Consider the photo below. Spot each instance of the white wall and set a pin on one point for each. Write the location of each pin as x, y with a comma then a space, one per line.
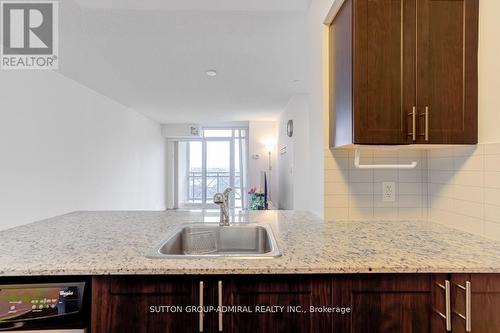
294, 165
316, 16
260, 134
64, 147
285, 163
170, 174
489, 71
182, 186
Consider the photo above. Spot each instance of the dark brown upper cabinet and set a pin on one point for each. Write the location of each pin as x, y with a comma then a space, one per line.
404, 72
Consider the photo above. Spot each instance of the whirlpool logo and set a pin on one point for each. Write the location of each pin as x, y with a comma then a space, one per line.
29, 31
65, 293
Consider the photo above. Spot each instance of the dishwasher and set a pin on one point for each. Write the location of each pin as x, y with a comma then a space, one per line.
43, 308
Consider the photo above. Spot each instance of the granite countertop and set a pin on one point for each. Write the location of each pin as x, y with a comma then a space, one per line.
96, 243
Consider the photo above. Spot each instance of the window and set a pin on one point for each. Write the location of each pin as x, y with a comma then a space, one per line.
212, 164
195, 172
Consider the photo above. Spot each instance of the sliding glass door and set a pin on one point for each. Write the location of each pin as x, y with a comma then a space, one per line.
214, 163
218, 174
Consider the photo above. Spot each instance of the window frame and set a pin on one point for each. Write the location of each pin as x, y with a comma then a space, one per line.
236, 134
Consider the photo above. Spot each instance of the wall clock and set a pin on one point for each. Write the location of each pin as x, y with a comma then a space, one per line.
289, 128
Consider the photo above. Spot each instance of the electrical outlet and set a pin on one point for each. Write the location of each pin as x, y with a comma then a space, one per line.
389, 191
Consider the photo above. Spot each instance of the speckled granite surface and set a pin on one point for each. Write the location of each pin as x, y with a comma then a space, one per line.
116, 243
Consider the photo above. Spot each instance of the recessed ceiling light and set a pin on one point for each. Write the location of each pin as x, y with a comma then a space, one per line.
211, 72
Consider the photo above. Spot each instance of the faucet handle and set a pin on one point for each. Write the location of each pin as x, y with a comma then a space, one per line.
219, 198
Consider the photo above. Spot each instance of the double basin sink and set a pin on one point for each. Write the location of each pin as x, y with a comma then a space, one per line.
213, 241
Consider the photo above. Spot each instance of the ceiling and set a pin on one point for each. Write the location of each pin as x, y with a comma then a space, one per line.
155, 61
210, 5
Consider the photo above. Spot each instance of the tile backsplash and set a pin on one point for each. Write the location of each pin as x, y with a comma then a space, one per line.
354, 194
464, 188
458, 186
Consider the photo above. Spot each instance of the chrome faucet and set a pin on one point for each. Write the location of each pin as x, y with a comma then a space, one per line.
222, 199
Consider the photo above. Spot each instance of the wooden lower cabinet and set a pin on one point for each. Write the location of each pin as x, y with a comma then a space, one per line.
393, 303
253, 303
485, 303
278, 304
364, 303
123, 304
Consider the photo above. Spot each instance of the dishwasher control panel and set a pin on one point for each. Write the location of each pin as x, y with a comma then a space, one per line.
29, 302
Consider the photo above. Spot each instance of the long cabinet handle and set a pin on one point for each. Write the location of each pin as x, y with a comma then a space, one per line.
467, 317
219, 289
413, 115
447, 315
468, 295
201, 315
448, 305
426, 123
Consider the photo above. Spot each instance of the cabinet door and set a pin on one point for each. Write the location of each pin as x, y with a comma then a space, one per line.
131, 304
384, 71
390, 303
447, 71
484, 303
290, 292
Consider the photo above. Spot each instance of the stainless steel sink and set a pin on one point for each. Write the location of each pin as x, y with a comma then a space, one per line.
214, 241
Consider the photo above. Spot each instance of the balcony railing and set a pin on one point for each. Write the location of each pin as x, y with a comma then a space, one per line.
217, 181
